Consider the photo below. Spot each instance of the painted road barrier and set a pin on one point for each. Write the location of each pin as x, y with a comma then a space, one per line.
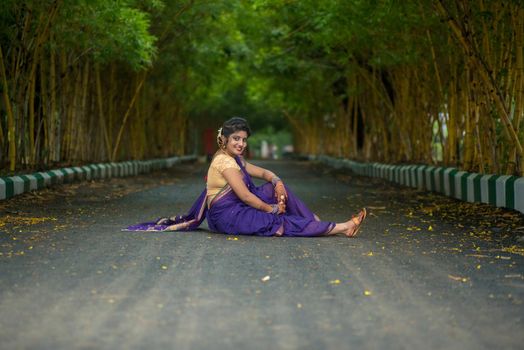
11, 186
497, 190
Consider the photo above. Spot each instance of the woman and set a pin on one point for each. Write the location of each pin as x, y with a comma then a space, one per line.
232, 203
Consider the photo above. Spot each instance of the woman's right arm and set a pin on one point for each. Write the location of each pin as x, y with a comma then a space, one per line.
234, 179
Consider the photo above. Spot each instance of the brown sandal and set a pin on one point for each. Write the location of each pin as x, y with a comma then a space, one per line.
358, 220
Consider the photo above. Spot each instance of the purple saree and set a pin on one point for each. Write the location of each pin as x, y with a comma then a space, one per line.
228, 214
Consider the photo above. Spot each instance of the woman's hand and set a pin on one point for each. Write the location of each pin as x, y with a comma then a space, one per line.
280, 192
281, 207
162, 221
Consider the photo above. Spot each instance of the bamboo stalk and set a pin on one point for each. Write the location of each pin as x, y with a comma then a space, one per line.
452, 115
518, 20
44, 102
83, 112
10, 118
103, 127
478, 138
298, 129
126, 116
32, 88
1, 140
112, 102
468, 150
63, 134
75, 114
52, 125
354, 128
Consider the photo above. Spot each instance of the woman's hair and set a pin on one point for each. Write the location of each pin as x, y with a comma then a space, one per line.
235, 124
231, 126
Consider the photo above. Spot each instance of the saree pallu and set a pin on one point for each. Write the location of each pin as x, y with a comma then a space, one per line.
187, 222
228, 214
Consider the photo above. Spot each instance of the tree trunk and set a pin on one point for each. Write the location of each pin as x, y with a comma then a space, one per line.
101, 115
126, 116
10, 118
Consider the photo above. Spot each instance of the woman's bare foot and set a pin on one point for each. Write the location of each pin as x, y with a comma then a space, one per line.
355, 223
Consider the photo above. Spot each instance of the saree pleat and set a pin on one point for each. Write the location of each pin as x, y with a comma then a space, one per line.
228, 214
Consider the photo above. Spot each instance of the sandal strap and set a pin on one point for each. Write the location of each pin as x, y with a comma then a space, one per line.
357, 220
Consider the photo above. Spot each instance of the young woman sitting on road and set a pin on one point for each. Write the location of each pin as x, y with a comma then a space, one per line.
233, 204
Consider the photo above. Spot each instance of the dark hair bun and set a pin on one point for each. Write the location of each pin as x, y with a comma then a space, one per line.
235, 124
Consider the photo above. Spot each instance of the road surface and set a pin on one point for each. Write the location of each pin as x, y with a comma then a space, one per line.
426, 272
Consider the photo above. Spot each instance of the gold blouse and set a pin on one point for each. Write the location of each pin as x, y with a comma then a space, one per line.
215, 180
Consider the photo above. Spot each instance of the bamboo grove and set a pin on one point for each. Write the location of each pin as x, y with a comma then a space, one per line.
79, 85
429, 82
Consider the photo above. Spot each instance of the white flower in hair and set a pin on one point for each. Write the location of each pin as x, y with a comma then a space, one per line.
220, 141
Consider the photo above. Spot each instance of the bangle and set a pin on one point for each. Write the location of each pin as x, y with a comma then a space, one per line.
274, 208
274, 180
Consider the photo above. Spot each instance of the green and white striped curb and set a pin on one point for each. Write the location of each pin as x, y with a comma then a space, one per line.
498, 190
14, 185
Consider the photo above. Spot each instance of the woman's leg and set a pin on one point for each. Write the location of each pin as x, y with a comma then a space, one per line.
294, 206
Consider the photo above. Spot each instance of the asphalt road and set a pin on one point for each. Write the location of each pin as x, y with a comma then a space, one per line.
426, 272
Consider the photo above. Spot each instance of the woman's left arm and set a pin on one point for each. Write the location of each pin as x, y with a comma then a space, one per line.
258, 172
269, 176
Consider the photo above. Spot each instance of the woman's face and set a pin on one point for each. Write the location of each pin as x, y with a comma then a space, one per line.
236, 143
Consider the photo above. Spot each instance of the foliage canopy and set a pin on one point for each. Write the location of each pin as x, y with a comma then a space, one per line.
433, 81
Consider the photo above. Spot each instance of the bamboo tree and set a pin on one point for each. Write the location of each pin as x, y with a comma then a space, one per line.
518, 25
126, 115
10, 117
53, 118
83, 122
106, 146
480, 65
364, 80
